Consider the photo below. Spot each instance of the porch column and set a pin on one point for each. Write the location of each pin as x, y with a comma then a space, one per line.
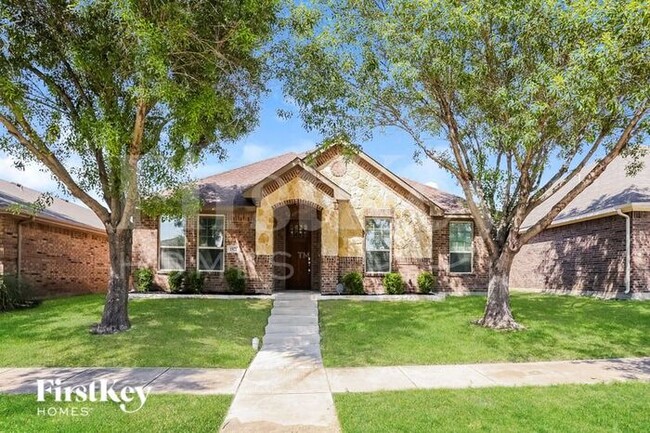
329, 249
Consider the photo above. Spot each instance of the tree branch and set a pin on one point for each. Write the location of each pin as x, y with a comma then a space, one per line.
51, 161
622, 141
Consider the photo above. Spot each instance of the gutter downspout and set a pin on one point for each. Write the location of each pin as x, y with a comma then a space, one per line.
627, 249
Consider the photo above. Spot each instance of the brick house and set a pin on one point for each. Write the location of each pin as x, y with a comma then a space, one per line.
61, 250
586, 247
303, 221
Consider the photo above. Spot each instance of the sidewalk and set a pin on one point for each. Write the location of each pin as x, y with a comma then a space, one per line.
300, 371
285, 388
371, 379
160, 380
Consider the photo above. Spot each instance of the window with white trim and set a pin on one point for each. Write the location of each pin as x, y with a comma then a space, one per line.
210, 243
171, 232
461, 252
378, 245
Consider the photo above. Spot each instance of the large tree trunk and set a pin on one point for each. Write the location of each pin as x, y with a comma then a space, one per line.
116, 315
497, 310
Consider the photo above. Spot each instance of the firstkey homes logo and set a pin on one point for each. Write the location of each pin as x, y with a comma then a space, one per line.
130, 399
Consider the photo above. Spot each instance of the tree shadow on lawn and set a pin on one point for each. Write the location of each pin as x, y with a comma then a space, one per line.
164, 333
441, 332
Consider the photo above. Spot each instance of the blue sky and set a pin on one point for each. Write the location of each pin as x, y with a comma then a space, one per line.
275, 136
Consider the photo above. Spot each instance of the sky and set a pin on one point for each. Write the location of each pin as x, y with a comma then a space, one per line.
274, 136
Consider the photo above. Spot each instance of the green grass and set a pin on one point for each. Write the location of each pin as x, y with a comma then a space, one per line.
161, 413
557, 327
164, 333
610, 408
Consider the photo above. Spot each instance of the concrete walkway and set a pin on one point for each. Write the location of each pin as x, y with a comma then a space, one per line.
285, 389
160, 380
300, 371
371, 379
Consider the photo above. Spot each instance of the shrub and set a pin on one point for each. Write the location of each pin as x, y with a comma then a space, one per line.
176, 280
236, 280
426, 282
194, 282
353, 282
14, 293
393, 283
186, 281
143, 279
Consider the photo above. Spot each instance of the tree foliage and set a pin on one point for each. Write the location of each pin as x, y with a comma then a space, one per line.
118, 98
526, 94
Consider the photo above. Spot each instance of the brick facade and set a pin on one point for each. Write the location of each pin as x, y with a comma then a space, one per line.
640, 275
585, 256
55, 259
447, 281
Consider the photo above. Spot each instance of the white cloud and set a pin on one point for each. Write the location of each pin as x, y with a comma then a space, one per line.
34, 176
429, 173
253, 153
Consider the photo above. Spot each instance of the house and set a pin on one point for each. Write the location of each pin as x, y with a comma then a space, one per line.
302, 221
57, 251
586, 247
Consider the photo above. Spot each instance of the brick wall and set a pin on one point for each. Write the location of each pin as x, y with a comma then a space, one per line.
447, 281
56, 260
585, 256
640, 252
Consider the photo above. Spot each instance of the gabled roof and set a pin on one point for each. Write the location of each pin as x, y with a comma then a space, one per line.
612, 190
235, 187
451, 204
227, 188
60, 211
254, 191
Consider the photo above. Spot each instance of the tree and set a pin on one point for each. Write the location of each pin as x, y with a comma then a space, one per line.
527, 95
118, 98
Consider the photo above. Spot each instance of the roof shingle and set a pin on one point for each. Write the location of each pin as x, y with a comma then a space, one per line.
60, 210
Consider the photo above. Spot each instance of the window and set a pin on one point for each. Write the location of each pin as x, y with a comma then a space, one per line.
210, 244
461, 235
378, 245
172, 244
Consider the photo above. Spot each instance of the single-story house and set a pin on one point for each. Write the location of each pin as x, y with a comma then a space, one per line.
590, 247
60, 250
302, 221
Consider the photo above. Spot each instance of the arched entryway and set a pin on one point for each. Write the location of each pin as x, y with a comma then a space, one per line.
297, 246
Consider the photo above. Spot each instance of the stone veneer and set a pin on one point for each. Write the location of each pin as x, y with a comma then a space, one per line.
419, 233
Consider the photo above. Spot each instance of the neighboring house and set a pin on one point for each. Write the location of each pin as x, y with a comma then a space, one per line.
303, 221
584, 249
60, 250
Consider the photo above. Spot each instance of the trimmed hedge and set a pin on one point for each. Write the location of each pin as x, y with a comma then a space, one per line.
236, 280
393, 283
426, 282
353, 282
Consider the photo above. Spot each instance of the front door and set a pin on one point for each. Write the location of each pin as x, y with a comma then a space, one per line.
299, 249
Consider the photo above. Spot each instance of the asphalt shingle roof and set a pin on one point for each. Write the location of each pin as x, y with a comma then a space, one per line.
60, 210
226, 188
612, 190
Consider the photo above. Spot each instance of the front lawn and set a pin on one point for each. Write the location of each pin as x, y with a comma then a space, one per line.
161, 413
557, 327
164, 333
620, 407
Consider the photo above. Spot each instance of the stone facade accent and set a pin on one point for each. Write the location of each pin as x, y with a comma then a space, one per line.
55, 259
584, 256
420, 241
